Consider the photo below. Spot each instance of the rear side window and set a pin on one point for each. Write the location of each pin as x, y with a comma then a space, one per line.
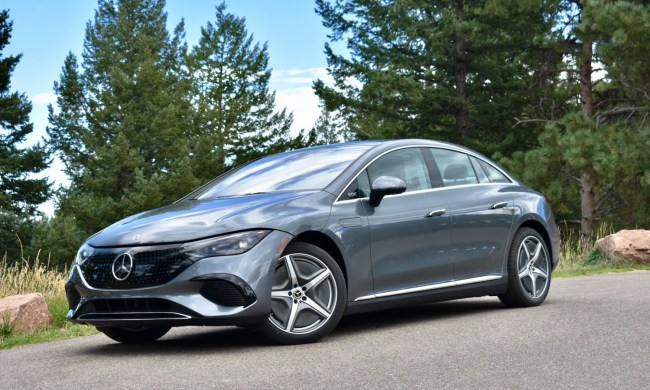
455, 167
493, 174
480, 173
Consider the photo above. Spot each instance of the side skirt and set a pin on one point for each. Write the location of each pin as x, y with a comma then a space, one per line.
490, 287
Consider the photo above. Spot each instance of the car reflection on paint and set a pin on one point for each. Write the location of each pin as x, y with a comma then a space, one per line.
291, 242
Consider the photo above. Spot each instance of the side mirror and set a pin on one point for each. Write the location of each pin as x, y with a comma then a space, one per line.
385, 185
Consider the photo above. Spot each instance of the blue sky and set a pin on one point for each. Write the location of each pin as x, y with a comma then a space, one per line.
44, 31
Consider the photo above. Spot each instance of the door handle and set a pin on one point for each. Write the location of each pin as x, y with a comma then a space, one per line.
436, 213
499, 205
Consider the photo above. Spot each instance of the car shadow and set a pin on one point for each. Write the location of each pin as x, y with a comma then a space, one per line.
393, 318
196, 340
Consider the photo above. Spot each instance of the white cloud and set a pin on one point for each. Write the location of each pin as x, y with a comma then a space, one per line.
293, 91
43, 98
304, 105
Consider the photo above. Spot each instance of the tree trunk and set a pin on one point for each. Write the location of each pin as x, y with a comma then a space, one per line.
587, 204
460, 71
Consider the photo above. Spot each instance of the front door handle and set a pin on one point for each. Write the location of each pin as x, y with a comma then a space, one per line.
499, 205
436, 213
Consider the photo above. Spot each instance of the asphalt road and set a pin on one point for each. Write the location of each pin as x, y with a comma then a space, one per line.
592, 332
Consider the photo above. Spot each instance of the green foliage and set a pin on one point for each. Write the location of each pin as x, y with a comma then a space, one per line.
595, 256
432, 69
235, 118
330, 129
20, 193
139, 122
610, 146
120, 123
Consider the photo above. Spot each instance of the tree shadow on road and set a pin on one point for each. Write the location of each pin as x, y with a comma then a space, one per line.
196, 340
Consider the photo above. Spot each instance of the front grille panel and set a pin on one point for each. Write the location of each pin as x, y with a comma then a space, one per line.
150, 268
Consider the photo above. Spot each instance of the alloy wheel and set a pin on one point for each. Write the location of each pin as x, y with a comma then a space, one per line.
304, 294
533, 266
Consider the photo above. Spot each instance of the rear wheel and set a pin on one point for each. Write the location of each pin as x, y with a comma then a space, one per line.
308, 296
134, 335
529, 270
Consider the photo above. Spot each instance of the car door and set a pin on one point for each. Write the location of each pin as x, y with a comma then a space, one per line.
481, 213
410, 236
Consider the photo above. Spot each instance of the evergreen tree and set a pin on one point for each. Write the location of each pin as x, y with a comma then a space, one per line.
451, 70
20, 194
122, 116
592, 157
329, 129
235, 116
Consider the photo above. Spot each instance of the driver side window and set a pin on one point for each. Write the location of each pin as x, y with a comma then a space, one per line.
405, 164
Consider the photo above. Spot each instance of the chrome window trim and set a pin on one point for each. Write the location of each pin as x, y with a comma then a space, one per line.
338, 198
423, 191
430, 287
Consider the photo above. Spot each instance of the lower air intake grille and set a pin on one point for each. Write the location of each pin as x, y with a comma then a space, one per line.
73, 296
134, 308
225, 293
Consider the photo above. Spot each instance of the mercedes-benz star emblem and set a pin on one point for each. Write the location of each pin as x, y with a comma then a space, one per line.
122, 266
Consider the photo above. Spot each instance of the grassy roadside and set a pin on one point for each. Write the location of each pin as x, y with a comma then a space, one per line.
26, 278
573, 262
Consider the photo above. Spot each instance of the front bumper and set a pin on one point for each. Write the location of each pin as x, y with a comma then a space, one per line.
225, 290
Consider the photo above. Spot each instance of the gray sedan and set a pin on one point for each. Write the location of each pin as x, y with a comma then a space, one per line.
291, 242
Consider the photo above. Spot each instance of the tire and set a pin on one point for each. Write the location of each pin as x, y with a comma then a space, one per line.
529, 270
135, 335
308, 296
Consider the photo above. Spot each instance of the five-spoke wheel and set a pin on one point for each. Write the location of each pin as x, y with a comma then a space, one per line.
529, 270
308, 295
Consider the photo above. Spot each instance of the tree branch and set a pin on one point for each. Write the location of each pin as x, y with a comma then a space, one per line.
628, 111
519, 121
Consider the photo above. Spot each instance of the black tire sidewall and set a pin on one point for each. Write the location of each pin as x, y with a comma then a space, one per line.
127, 336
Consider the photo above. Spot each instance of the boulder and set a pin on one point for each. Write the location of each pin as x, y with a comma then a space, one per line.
25, 312
629, 244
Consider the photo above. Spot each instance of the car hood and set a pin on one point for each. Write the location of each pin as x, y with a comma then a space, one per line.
190, 220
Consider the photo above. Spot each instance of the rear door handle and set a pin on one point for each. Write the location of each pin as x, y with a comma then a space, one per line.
436, 213
499, 205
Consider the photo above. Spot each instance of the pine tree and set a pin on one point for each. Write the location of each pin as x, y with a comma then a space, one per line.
235, 115
20, 194
592, 157
122, 116
329, 129
451, 70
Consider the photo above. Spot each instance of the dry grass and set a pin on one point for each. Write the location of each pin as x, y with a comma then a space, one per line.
574, 262
27, 277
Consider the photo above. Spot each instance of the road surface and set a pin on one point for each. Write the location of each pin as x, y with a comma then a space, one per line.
592, 332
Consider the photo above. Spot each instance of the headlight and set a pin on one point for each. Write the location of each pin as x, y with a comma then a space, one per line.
83, 254
232, 244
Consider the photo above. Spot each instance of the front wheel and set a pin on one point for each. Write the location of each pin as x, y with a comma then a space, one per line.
529, 270
308, 296
133, 335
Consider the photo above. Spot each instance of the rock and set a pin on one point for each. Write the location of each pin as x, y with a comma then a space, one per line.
25, 312
630, 244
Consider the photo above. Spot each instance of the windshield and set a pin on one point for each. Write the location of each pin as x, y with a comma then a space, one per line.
303, 169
